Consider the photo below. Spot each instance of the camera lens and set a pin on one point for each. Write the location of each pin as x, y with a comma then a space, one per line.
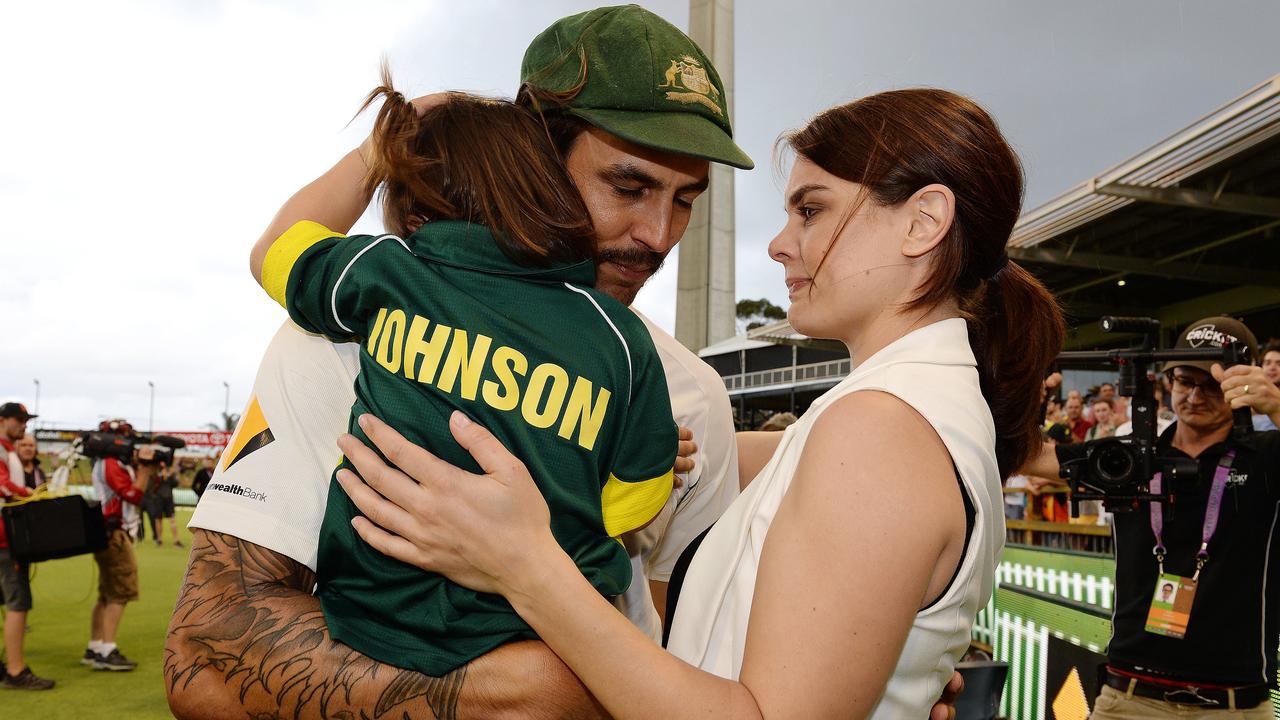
1112, 462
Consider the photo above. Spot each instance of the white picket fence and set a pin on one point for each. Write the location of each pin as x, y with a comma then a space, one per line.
1089, 589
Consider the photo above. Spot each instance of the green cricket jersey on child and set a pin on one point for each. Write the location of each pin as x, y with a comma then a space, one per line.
565, 376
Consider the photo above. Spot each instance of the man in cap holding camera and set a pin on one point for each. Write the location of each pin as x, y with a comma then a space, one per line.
15, 580
119, 489
1210, 645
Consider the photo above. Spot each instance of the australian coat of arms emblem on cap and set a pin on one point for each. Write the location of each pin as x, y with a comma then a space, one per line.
690, 84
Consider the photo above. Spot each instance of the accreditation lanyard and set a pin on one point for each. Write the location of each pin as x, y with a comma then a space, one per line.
1211, 513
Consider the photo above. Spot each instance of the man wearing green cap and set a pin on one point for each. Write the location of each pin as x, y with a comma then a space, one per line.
639, 113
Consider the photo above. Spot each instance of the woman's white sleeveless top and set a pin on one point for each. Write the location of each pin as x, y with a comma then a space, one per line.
933, 370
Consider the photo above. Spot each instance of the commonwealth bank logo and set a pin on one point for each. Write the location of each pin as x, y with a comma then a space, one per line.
691, 85
252, 435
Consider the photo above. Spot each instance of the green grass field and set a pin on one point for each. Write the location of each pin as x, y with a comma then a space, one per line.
64, 592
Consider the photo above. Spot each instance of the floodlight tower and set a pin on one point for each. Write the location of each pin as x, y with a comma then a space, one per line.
705, 296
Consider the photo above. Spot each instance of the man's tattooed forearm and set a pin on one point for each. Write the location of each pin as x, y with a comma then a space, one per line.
248, 635
440, 693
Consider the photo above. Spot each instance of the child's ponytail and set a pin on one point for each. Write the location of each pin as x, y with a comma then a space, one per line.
480, 160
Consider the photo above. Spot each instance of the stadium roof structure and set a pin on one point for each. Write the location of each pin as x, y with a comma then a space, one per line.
734, 344
1190, 226
1185, 229
781, 333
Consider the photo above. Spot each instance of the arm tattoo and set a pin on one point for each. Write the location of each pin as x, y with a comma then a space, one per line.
248, 638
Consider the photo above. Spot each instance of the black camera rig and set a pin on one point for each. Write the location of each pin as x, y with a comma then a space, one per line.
1118, 470
121, 447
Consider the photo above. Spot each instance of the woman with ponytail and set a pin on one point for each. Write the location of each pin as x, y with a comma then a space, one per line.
844, 581
480, 299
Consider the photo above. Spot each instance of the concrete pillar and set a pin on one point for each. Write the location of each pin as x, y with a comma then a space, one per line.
705, 296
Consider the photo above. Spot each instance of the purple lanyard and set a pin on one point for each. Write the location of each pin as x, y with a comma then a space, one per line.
1211, 513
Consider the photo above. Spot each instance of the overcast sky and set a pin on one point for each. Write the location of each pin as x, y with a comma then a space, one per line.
147, 144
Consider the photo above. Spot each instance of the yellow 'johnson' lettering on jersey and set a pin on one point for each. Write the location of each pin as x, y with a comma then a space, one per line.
455, 361
564, 376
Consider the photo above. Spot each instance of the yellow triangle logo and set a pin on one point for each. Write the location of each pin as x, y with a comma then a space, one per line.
1070, 704
253, 434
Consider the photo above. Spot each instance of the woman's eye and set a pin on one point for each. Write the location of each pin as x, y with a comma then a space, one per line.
686, 204
807, 212
627, 192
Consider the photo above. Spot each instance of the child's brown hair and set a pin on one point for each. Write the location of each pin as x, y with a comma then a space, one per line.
485, 161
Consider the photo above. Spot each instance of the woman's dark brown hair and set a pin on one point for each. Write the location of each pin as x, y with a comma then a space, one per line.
893, 144
485, 161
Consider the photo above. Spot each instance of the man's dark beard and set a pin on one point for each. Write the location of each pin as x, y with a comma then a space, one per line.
634, 259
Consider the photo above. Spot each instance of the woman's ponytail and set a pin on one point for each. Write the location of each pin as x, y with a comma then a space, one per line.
1016, 330
395, 163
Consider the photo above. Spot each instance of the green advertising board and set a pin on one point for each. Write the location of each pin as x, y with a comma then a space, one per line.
1050, 619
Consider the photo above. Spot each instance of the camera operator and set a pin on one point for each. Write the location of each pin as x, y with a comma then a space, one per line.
120, 488
1212, 645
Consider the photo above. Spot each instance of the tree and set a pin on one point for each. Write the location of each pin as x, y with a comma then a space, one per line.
757, 313
229, 422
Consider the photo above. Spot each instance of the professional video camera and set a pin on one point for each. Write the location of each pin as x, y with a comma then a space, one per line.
117, 439
1118, 470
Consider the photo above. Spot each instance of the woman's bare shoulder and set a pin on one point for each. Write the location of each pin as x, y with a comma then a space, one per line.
875, 436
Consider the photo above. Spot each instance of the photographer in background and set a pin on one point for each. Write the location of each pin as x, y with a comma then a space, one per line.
1214, 647
120, 488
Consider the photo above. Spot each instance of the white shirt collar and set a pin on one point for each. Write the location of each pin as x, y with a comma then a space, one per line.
945, 342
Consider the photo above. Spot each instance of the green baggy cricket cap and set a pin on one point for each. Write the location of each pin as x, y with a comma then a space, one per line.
645, 81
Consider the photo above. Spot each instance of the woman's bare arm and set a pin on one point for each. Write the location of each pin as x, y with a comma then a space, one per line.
870, 531
1044, 463
882, 520
754, 450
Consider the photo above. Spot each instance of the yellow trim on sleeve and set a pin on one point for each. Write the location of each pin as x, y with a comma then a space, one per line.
629, 505
286, 250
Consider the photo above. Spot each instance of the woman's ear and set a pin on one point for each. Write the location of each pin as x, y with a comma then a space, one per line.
932, 209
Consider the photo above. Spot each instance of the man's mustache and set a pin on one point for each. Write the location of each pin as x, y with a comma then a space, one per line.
633, 258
